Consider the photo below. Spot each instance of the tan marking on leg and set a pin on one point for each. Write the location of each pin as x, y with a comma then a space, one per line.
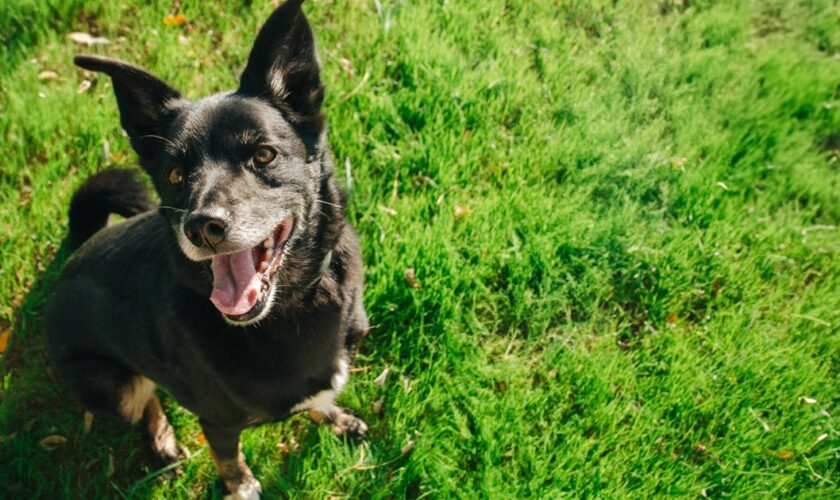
161, 434
238, 478
317, 416
135, 397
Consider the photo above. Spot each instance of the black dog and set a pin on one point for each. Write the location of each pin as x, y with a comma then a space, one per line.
241, 295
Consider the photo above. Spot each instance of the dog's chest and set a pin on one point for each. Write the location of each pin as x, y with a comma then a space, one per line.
237, 377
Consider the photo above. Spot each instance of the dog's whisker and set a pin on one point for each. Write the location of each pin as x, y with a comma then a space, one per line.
172, 208
328, 203
164, 139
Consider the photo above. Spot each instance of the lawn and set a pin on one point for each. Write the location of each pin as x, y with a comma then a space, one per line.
622, 220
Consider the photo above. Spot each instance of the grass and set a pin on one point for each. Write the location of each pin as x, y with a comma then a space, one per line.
622, 217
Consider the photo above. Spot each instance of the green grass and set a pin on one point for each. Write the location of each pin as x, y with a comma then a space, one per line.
639, 295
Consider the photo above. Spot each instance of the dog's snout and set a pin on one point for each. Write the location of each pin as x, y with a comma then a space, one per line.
204, 229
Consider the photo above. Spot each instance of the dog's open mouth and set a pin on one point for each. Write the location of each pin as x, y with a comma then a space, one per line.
242, 280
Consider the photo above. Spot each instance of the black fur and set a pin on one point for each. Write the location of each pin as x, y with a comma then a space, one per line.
133, 300
113, 191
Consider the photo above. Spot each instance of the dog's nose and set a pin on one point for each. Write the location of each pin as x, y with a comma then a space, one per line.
205, 230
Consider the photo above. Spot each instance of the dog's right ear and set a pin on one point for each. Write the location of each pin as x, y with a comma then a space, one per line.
143, 100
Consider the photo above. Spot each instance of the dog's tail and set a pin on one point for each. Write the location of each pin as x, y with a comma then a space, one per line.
112, 191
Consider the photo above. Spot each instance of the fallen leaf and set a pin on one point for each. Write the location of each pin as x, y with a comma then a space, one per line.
176, 20
700, 448
87, 39
52, 442
347, 66
807, 400
382, 377
378, 406
462, 210
88, 422
83, 86
821, 437
411, 279
201, 438
723, 186
784, 454
406, 384
390, 212
25, 195
552, 373
47, 75
408, 446
4, 339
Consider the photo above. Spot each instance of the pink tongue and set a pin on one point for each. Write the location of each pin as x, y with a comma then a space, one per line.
236, 284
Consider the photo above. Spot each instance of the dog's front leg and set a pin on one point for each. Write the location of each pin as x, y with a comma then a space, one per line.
230, 462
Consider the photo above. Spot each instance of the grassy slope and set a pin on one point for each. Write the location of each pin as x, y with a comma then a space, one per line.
645, 285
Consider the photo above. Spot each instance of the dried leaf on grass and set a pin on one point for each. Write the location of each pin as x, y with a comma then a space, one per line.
88, 422
382, 377
47, 75
390, 212
411, 278
409, 445
462, 211
4, 339
52, 442
176, 20
782, 454
347, 66
87, 39
378, 406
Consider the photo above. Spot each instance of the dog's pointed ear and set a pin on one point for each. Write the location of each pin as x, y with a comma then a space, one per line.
283, 67
143, 100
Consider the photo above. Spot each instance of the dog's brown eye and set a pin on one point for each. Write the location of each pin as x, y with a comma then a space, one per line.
176, 175
264, 155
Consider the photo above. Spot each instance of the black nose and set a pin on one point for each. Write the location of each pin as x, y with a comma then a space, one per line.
205, 230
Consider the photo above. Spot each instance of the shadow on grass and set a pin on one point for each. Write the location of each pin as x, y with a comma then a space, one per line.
46, 449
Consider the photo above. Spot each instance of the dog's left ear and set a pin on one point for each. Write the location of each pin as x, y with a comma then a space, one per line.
283, 67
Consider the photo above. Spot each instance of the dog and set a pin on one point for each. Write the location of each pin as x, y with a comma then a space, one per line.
240, 294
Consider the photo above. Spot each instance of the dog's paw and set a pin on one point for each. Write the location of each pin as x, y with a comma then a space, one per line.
346, 424
166, 451
249, 490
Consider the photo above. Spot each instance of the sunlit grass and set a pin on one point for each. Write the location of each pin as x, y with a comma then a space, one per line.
622, 221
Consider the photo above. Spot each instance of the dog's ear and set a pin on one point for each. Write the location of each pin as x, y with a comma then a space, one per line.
143, 100
283, 67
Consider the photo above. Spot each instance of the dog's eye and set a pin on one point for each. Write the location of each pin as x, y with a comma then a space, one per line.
176, 175
264, 155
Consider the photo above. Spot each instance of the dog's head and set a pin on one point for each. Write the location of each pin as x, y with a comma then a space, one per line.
241, 175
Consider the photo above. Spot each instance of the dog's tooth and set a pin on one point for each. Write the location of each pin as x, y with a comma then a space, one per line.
267, 244
269, 252
263, 266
